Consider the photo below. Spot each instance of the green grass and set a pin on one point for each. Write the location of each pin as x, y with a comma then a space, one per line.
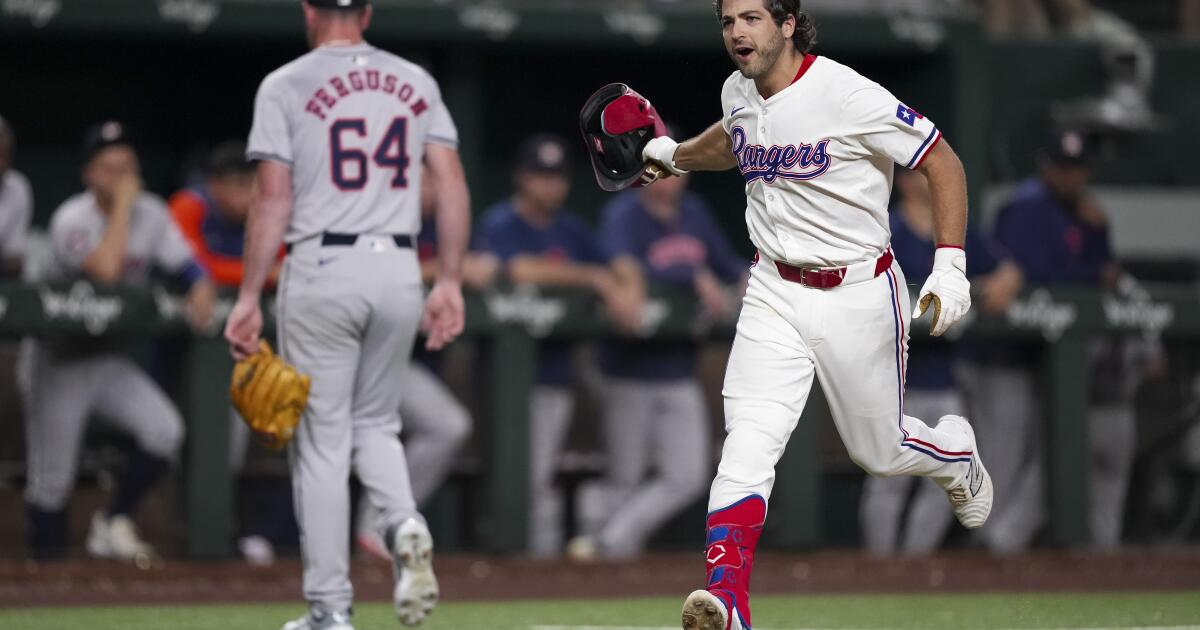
1094, 610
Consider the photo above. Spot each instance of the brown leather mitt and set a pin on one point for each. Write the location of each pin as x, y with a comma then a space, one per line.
270, 395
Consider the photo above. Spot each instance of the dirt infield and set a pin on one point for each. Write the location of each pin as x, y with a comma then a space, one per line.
467, 577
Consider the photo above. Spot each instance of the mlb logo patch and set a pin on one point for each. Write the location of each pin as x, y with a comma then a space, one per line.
908, 115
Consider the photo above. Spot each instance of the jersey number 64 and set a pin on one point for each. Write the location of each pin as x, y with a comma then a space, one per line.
349, 166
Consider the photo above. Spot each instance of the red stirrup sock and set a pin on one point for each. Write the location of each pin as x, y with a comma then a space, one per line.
732, 537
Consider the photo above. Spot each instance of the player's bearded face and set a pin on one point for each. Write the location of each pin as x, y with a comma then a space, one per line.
755, 46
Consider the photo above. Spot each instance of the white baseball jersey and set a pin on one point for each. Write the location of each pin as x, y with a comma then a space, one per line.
154, 240
818, 161
352, 123
16, 208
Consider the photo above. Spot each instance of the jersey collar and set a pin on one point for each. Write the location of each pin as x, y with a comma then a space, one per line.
804, 66
809, 60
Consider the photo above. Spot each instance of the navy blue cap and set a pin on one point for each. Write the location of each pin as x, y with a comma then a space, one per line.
543, 153
104, 135
1068, 147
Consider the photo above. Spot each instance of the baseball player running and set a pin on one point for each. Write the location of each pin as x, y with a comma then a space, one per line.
340, 135
816, 143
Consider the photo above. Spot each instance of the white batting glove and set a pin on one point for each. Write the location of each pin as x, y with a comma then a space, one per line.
661, 152
947, 289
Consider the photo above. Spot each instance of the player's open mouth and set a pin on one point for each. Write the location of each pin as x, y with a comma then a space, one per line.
743, 53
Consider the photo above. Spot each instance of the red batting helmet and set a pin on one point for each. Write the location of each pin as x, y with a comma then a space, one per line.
617, 122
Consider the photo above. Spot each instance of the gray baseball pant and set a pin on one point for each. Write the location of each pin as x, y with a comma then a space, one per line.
436, 425
550, 409
1007, 419
347, 318
659, 426
884, 498
60, 394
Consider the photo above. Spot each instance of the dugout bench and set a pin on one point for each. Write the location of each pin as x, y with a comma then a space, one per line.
510, 321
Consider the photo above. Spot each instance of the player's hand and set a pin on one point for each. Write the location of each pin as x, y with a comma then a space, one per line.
443, 318
244, 327
716, 301
199, 305
480, 270
947, 290
126, 191
624, 305
1001, 287
660, 152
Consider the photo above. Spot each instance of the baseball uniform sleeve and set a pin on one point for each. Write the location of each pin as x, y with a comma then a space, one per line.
618, 236
269, 136
73, 237
171, 251
587, 246
727, 97
497, 236
16, 233
982, 257
881, 125
441, 127
1020, 232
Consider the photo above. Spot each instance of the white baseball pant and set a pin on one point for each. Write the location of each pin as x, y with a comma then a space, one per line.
854, 338
886, 526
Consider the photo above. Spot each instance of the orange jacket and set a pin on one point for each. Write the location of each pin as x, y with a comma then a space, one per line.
189, 209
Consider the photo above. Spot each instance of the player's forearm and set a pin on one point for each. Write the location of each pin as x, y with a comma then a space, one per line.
628, 275
264, 234
453, 209
454, 229
542, 272
709, 151
105, 262
948, 193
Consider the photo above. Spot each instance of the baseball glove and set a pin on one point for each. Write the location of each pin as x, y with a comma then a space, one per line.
270, 395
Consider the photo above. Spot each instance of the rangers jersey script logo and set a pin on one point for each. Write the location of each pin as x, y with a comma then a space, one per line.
802, 162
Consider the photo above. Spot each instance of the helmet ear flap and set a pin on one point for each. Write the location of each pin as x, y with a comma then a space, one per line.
617, 123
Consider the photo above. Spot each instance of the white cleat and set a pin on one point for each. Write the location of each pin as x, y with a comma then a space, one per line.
116, 538
972, 497
583, 550
412, 559
315, 620
704, 611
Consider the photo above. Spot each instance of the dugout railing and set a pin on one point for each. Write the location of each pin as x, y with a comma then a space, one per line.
509, 322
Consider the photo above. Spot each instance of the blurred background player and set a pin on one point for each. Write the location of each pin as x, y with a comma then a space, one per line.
113, 233
890, 521
655, 417
540, 243
435, 424
16, 206
211, 215
1054, 228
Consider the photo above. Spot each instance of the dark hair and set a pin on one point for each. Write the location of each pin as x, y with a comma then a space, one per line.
229, 158
805, 36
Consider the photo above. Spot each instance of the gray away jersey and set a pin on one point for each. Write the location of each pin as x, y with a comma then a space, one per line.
16, 209
352, 123
154, 240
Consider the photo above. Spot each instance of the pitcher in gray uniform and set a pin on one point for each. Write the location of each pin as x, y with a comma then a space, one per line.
113, 233
16, 206
340, 135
